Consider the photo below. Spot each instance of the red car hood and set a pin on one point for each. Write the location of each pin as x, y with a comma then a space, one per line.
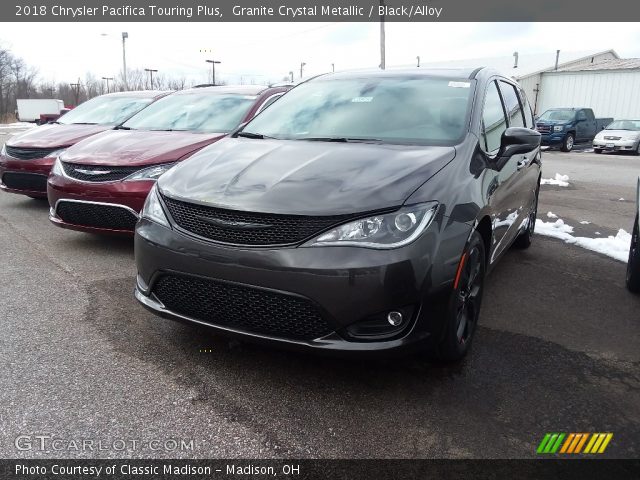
137, 148
55, 135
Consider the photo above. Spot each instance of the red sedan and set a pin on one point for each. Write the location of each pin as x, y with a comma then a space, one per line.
26, 159
100, 184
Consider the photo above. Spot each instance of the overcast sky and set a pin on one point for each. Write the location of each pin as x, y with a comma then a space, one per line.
268, 51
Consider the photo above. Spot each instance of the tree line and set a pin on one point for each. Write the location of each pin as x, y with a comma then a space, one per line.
19, 80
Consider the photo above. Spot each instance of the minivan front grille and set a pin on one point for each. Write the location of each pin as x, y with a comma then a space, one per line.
247, 228
241, 307
98, 173
23, 153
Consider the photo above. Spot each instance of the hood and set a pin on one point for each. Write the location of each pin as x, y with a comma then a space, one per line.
137, 148
552, 122
618, 133
303, 177
55, 135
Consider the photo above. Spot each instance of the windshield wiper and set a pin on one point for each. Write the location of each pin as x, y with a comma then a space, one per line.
85, 123
257, 136
122, 127
342, 139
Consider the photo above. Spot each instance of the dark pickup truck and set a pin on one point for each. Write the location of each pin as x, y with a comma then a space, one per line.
564, 127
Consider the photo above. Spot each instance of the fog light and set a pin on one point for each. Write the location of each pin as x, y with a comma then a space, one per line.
394, 318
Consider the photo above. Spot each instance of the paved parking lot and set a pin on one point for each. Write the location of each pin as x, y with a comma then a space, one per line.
557, 350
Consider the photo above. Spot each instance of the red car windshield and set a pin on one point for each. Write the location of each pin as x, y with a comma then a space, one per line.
105, 110
194, 112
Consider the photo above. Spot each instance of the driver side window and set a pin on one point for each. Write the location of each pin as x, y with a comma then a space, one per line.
494, 122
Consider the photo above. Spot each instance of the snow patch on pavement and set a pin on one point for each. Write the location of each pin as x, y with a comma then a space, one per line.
551, 215
615, 247
559, 180
585, 222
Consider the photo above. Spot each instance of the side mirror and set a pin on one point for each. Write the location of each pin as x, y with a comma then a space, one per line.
518, 140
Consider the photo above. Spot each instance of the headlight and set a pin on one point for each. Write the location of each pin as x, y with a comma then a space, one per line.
633, 136
558, 128
57, 168
389, 230
151, 173
152, 209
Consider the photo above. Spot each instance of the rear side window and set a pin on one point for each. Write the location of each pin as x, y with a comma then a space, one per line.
581, 115
512, 104
493, 119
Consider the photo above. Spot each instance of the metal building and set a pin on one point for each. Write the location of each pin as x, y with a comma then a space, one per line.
611, 88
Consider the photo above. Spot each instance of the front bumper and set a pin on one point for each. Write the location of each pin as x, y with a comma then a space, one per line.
98, 201
616, 145
25, 177
347, 285
552, 139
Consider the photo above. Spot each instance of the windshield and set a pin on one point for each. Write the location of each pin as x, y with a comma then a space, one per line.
405, 110
562, 115
204, 112
105, 110
633, 125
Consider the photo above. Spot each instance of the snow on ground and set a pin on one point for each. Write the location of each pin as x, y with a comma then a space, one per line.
615, 247
559, 180
585, 222
551, 215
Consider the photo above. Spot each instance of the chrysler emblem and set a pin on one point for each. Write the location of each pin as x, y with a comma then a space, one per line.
232, 224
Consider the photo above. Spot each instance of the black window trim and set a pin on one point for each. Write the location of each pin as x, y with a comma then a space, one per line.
493, 80
515, 88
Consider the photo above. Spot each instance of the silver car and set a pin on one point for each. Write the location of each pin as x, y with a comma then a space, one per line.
620, 135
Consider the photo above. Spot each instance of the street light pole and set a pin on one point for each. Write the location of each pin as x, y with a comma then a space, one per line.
291, 73
125, 35
107, 79
382, 39
302, 64
151, 72
213, 70
76, 91
333, 67
418, 58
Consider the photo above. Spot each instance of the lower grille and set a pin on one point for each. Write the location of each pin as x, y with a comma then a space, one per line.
98, 173
22, 153
240, 307
96, 215
33, 182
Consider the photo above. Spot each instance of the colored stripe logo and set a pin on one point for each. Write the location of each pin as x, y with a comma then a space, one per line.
574, 443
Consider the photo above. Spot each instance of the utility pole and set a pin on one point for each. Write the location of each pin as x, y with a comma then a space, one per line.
125, 35
302, 64
333, 67
213, 70
151, 72
291, 73
76, 91
382, 39
418, 58
107, 79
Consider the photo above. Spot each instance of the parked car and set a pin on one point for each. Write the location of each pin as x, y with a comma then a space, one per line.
633, 266
621, 135
101, 183
359, 213
26, 159
564, 127
35, 109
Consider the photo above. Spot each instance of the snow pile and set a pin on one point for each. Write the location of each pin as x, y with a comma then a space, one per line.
559, 180
551, 215
585, 222
615, 247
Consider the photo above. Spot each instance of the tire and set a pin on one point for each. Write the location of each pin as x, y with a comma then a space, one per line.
568, 142
463, 307
633, 266
638, 149
525, 239
597, 150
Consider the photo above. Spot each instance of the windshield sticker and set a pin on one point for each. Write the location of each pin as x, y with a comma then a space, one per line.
459, 84
361, 99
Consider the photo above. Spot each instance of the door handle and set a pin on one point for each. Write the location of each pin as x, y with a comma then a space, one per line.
522, 163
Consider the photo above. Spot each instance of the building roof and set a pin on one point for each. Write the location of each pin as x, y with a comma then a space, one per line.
528, 63
614, 64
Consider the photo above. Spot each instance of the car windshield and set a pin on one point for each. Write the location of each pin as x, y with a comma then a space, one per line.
105, 110
633, 125
562, 115
204, 112
396, 109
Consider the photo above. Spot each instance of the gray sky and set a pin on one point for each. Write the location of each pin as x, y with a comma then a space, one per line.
268, 51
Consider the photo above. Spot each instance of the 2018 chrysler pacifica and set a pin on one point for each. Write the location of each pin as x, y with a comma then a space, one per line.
359, 213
